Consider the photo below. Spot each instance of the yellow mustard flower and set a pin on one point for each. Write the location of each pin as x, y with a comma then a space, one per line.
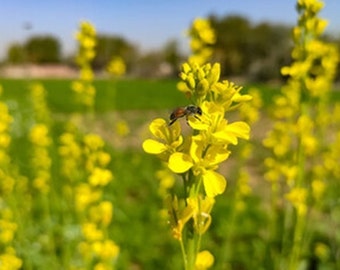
298, 197
39, 135
167, 139
204, 260
91, 232
10, 261
116, 66
100, 177
203, 164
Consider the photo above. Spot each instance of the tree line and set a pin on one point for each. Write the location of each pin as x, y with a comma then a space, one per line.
255, 51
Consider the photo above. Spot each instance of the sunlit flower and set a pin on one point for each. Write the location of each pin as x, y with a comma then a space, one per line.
203, 162
91, 232
167, 139
204, 260
100, 177
39, 135
116, 66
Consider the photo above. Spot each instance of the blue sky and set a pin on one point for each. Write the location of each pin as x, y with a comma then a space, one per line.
149, 23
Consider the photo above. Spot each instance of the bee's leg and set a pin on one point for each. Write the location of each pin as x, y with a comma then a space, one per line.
172, 121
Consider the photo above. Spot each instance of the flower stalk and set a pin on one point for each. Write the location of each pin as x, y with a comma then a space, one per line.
197, 156
295, 140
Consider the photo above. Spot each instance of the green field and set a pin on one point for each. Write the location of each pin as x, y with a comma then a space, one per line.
114, 95
137, 227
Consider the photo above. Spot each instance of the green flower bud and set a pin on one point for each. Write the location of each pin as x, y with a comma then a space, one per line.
202, 87
190, 81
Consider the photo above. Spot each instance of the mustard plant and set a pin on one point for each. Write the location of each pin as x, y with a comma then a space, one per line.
95, 213
196, 156
8, 225
116, 68
298, 138
84, 165
83, 87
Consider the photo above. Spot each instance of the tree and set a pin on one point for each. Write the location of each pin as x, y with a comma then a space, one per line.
15, 54
110, 46
243, 48
172, 56
232, 34
43, 49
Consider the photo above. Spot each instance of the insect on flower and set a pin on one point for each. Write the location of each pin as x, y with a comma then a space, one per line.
190, 110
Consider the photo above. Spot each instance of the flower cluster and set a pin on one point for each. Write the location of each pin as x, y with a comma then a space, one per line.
197, 157
40, 139
297, 139
96, 213
202, 37
7, 183
86, 38
84, 165
8, 227
8, 256
116, 66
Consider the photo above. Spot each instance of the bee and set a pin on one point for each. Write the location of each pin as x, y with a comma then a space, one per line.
187, 111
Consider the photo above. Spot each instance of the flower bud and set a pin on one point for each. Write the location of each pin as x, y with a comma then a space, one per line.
202, 87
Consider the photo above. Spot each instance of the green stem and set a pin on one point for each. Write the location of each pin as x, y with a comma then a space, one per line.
191, 250
299, 227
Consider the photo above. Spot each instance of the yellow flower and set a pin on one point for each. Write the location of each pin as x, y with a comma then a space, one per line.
202, 35
106, 250
203, 162
93, 142
204, 260
5, 140
167, 139
100, 177
85, 196
9, 260
39, 135
318, 188
116, 66
91, 232
216, 127
322, 251
7, 231
122, 128
298, 197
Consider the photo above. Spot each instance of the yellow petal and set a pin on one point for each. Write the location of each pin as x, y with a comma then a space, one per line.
196, 148
180, 162
197, 124
239, 129
214, 183
232, 132
216, 154
157, 128
153, 147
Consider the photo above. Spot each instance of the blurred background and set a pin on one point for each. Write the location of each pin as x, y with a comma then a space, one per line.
253, 38
40, 86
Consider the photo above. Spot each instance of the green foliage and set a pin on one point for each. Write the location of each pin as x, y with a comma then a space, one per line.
110, 46
15, 54
238, 239
43, 49
244, 48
